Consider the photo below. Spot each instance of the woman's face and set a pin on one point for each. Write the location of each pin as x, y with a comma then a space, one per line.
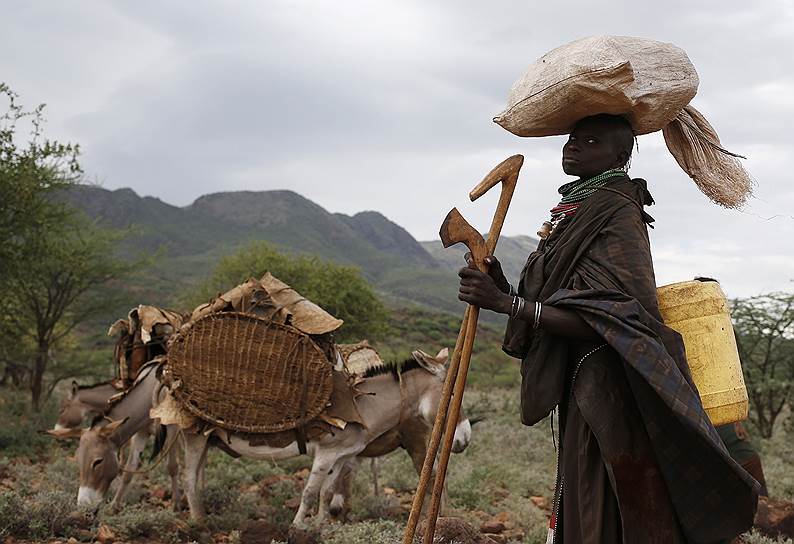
590, 150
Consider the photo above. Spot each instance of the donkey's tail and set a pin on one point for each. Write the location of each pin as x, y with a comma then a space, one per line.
160, 437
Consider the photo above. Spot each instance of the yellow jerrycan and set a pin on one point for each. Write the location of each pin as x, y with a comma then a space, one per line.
698, 310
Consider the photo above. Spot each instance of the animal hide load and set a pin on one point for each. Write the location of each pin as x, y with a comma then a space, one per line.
142, 337
650, 83
271, 298
360, 357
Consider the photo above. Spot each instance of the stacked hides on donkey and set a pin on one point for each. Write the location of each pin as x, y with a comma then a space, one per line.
650, 83
141, 337
259, 360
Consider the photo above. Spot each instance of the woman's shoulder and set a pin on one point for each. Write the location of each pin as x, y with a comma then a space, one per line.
634, 188
629, 193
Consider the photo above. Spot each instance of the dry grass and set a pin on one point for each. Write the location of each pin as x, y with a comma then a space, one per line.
504, 468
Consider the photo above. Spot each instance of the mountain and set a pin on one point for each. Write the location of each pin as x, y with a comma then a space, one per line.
190, 240
512, 252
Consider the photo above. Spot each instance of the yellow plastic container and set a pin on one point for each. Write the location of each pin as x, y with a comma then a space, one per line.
698, 310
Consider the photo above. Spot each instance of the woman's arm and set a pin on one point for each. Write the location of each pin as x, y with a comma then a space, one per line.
481, 290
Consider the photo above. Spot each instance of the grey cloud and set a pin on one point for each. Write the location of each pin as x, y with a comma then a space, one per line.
388, 106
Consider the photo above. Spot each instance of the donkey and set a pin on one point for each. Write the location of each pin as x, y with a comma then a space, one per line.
83, 401
100, 445
413, 435
387, 404
390, 397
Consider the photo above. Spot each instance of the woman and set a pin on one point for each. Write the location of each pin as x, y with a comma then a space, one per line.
639, 461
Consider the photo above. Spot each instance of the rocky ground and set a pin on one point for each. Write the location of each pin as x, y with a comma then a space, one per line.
499, 488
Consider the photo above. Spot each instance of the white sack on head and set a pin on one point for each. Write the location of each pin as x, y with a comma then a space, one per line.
646, 81
649, 83
696, 147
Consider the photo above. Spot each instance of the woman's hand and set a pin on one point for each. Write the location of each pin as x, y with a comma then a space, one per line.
481, 290
494, 270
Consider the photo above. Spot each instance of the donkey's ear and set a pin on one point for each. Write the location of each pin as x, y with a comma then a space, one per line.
428, 362
443, 356
112, 427
73, 391
62, 434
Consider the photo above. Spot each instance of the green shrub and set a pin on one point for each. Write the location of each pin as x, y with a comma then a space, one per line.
368, 532
37, 516
370, 507
143, 521
19, 434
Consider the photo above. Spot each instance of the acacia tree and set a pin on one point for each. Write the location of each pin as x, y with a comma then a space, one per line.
764, 327
340, 290
52, 258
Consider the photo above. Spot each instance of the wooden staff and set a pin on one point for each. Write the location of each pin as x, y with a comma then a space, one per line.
456, 229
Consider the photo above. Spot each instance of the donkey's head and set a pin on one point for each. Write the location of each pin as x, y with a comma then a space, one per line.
72, 410
98, 461
430, 384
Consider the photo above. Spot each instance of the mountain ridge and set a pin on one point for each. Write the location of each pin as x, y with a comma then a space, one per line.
191, 239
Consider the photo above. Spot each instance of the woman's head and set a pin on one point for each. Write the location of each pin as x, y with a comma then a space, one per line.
597, 144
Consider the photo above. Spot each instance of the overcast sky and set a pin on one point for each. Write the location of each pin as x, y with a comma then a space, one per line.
387, 106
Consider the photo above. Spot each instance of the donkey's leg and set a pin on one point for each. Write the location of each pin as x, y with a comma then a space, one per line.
195, 457
323, 463
137, 445
340, 492
374, 466
416, 446
333, 476
172, 439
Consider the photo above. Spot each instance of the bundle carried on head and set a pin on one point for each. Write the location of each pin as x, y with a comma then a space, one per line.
650, 83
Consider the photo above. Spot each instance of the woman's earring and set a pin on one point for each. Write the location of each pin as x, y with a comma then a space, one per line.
627, 165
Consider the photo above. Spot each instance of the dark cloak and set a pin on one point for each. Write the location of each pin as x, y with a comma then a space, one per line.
598, 263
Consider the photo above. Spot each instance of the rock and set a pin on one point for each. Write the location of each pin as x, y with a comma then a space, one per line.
455, 531
775, 517
303, 473
514, 535
159, 493
540, 502
256, 532
79, 520
506, 518
492, 526
292, 503
300, 536
105, 535
389, 491
501, 493
72, 540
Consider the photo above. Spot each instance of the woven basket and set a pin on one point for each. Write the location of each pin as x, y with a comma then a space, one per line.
249, 374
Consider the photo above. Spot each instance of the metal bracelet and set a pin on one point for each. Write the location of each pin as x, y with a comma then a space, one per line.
538, 311
517, 306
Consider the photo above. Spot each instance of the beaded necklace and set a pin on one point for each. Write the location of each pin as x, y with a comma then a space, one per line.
573, 194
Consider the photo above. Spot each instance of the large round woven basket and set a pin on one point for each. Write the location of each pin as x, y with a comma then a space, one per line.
249, 374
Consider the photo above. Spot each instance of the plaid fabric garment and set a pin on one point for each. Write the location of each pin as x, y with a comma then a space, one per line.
599, 264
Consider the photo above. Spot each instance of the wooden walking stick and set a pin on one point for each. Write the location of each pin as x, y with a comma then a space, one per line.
455, 229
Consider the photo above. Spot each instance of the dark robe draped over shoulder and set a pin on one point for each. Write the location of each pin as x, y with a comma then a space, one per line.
663, 456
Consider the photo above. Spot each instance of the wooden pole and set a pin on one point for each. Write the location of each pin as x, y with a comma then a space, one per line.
435, 437
455, 229
452, 421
